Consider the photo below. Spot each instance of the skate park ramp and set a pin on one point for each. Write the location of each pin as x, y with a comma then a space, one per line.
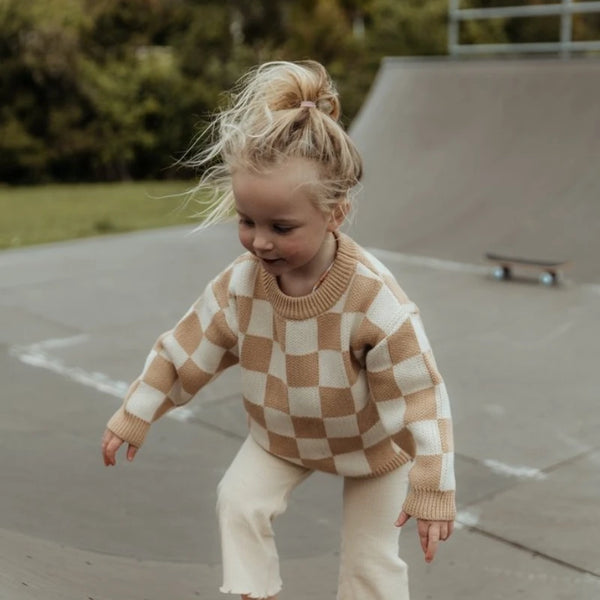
467, 157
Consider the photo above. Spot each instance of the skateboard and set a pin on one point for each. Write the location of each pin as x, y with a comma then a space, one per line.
549, 270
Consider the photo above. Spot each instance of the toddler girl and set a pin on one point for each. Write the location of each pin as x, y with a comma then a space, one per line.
337, 372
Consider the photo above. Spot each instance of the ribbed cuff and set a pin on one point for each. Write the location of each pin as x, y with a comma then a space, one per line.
431, 505
128, 427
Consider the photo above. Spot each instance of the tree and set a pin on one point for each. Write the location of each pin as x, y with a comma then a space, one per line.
115, 89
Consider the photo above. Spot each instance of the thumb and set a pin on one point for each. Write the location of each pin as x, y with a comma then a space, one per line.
402, 519
131, 452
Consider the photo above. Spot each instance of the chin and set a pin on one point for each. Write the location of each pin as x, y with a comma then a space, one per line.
273, 267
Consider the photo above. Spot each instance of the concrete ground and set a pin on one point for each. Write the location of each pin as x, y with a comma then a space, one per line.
76, 322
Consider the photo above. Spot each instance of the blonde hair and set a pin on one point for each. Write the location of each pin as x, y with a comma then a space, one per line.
278, 111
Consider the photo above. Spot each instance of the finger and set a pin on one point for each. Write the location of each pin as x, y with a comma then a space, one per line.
104, 452
444, 531
108, 456
432, 545
107, 459
111, 450
450, 528
106, 439
402, 519
131, 452
423, 531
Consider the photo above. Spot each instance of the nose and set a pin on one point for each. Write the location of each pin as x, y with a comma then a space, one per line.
262, 241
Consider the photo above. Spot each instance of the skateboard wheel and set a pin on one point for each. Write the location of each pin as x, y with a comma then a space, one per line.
547, 278
501, 273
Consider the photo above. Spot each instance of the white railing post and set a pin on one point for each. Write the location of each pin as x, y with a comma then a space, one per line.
453, 26
566, 28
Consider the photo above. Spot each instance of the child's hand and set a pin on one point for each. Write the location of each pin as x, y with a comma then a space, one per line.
111, 444
430, 533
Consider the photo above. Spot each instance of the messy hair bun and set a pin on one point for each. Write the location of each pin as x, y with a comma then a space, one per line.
288, 85
278, 111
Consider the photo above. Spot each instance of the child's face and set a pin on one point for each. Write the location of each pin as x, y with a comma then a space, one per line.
278, 221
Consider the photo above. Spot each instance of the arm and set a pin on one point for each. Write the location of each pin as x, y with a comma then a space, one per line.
409, 392
182, 361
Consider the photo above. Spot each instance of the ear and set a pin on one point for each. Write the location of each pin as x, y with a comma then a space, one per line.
338, 215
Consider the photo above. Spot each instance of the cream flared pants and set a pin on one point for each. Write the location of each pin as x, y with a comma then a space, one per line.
255, 489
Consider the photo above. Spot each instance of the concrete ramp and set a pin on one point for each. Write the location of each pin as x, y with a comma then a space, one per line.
467, 157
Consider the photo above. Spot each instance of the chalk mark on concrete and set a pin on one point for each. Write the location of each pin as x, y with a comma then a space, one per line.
521, 471
40, 355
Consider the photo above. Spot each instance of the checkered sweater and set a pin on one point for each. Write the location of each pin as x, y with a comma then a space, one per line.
342, 380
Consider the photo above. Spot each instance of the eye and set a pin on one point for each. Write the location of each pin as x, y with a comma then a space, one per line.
283, 229
245, 222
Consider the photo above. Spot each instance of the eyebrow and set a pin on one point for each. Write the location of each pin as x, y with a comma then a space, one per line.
282, 220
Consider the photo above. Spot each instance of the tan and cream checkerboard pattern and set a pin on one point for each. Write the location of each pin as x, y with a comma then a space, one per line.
342, 381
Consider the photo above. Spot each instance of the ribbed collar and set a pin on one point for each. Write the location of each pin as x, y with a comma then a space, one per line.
325, 296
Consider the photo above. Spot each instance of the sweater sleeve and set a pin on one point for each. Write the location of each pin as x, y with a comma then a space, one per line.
409, 391
181, 362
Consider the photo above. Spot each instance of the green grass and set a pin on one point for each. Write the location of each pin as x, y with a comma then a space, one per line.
49, 213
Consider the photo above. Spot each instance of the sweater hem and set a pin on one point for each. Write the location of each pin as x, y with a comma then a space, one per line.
398, 461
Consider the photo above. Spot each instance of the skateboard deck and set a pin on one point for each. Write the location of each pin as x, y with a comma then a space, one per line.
549, 270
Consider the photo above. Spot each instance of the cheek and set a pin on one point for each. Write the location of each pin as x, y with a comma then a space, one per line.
245, 239
290, 246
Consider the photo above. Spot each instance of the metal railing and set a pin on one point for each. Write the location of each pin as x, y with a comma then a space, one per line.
565, 9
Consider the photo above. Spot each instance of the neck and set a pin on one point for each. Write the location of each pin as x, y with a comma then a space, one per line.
324, 297
304, 284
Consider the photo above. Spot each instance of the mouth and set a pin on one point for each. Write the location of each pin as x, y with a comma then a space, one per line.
272, 265
270, 261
